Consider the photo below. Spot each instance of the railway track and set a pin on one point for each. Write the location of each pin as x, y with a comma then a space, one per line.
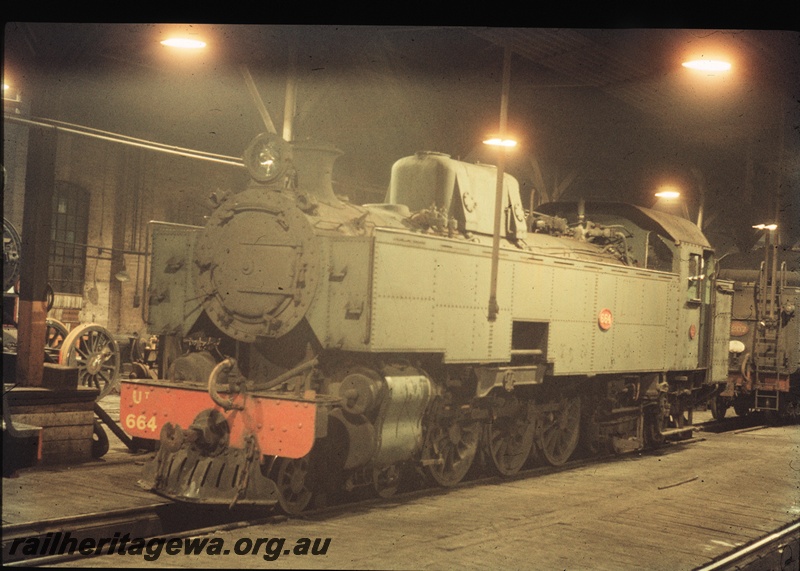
778, 551
145, 522
185, 520
737, 424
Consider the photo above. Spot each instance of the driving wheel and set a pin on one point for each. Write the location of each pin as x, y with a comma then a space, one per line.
561, 430
509, 441
450, 448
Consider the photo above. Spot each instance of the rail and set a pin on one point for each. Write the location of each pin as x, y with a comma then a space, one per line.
751, 556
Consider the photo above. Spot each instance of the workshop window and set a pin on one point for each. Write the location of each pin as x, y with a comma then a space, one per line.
68, 234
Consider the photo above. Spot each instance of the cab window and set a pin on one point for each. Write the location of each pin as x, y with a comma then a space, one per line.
695, 278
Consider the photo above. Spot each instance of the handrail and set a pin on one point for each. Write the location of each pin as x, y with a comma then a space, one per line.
222, 368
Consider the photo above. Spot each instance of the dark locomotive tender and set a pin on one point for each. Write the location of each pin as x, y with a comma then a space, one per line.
308, 344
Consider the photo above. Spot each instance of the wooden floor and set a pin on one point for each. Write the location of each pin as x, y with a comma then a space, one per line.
58, 491
677, 509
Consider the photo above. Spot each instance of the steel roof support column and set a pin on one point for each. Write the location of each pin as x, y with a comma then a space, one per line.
494, 308
35, 256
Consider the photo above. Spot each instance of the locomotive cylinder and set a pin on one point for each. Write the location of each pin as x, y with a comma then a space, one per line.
360, 393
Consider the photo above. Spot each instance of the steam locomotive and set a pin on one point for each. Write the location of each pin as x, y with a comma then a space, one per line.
764, 372
309, 345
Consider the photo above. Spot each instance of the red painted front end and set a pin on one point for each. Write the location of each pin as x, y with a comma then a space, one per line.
282, 425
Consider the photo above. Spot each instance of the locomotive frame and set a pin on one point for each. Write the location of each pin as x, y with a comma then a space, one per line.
332, 346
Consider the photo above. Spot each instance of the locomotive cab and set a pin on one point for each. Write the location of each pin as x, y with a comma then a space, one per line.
666, 243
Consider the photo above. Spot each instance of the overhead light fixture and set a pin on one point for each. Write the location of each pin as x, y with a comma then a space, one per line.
670, 194
498, 142
707, 65
184, 43
123, 276
765, 226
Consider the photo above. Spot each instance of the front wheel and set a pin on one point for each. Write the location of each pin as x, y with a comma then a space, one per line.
293, 479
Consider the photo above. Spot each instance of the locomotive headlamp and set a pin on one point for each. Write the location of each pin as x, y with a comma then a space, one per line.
267, 157
736, 347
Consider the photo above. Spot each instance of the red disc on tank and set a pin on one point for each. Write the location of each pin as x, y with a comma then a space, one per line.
739, 329
605, 319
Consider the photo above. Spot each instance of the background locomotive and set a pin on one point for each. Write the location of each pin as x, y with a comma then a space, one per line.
325, 345
765, 334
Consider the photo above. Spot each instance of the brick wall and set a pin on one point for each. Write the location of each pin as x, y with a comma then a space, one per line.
128, 186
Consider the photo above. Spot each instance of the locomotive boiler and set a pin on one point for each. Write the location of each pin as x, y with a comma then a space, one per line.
309, 345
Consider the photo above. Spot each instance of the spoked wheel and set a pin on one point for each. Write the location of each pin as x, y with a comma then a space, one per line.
561, 431
386, 480
292, 477
12, 248
509, 441
55, 335
450, 448
92, 349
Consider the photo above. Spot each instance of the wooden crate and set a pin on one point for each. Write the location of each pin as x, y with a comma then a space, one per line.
65, 416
